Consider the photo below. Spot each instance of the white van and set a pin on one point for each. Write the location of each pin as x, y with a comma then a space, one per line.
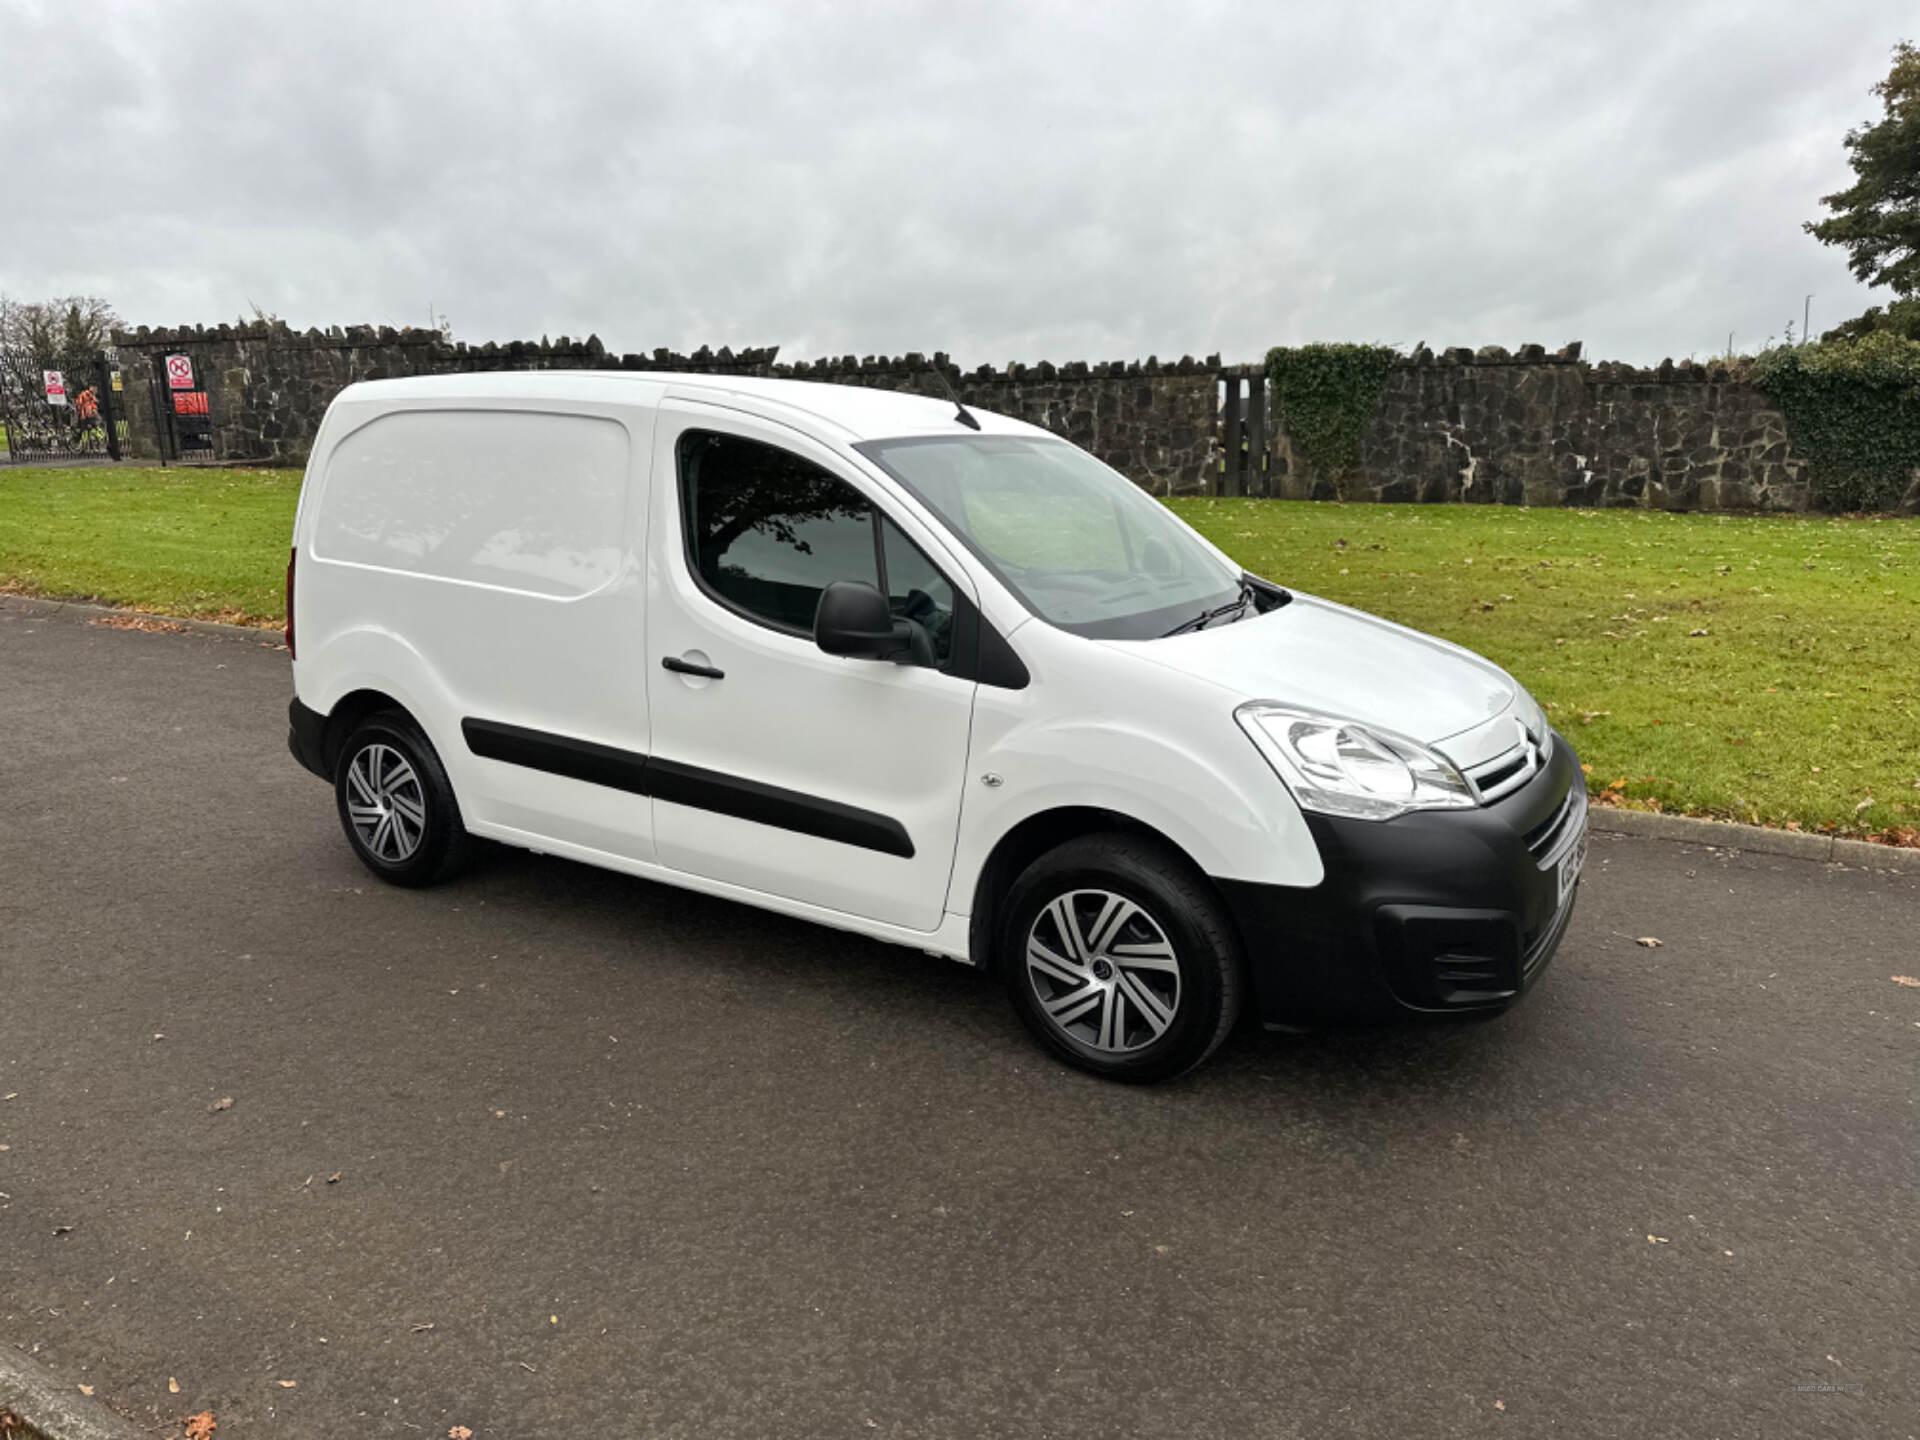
930, 675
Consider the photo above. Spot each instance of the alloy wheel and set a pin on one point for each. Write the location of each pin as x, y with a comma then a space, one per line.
385, 804
1103, 970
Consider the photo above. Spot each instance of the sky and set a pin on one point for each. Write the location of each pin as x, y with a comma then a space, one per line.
1094, 180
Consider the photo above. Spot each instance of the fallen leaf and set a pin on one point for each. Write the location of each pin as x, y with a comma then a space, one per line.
200, 1426
63, 1229
459, 1432
1658, 1240
173, 1386
136, 622
334, 1178
553, 1319
1649, 942
1908, 981
86, 1389
225, 1102
1499, 1404
1694, 634
421, 1329
286, 1384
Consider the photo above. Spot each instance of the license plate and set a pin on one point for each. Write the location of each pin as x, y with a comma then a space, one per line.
1570, 865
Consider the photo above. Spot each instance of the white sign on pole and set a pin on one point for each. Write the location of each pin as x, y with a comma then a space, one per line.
56, 384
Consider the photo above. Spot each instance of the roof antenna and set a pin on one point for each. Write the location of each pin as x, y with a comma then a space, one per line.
960, 412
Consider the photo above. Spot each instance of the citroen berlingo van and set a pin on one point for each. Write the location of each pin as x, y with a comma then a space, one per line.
927, 674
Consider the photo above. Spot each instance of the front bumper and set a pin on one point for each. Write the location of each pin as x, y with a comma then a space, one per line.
1437, 912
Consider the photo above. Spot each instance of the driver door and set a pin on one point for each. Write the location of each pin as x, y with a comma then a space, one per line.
774, 765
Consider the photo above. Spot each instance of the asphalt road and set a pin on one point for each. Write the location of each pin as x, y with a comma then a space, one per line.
551, 1151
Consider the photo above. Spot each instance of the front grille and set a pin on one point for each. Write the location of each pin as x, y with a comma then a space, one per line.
1547, 839
1509, 770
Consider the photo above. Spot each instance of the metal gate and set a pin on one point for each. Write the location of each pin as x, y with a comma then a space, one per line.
1243, 437
60, 407
182, 417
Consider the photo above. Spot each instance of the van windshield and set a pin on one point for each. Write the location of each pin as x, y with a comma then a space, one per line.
1080, 545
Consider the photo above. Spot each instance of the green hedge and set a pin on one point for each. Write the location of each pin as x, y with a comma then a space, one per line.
1323, 397
1853, 409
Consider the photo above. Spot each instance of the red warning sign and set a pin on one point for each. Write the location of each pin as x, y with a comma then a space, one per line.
179, 372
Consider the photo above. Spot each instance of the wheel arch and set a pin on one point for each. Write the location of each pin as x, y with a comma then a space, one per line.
1033, 837
347, 712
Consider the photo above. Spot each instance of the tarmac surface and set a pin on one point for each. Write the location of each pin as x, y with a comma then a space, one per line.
553, 1151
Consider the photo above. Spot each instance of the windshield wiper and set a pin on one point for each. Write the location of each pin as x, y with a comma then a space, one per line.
1207, 617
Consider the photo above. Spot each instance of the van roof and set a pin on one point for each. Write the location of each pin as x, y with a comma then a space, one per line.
857, 409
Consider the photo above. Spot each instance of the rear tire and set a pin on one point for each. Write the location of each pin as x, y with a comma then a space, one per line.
397, 805
1120, 958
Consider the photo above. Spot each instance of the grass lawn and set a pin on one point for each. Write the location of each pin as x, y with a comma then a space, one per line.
179, 541
1799, 705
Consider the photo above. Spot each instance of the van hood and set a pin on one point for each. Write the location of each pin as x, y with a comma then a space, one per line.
1320, 656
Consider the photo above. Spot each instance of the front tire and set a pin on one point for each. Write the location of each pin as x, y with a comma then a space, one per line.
1120, 958
397, 805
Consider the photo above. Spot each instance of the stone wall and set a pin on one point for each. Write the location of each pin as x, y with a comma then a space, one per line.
1541, 429
268, 387
1462, 426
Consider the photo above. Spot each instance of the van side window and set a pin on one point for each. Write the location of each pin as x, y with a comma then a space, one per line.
768, 531
916, 591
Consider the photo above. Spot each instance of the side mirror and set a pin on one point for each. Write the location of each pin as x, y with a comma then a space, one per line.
853, 620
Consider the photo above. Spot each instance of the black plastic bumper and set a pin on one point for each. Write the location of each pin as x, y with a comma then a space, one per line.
1437, 912
306, 738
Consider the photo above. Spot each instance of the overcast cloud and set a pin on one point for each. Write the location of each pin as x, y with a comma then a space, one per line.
1096, 180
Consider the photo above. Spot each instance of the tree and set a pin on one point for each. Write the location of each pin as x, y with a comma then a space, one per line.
1901, 318
69, 325
1877, 218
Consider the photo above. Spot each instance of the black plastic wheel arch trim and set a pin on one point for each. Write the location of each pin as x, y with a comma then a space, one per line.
688, 785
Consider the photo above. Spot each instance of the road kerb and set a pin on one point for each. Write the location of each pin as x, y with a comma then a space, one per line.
79, 610
56, 1408
1754, 839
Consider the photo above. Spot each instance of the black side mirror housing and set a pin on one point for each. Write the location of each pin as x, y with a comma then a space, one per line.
854, 620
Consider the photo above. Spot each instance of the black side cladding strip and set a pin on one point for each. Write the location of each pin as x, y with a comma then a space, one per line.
784, 809
687, 785
557, 755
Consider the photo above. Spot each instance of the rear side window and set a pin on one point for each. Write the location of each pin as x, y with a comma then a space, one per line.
767, 531
518, 500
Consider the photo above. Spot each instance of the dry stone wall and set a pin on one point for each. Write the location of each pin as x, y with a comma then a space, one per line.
268, 387
1535, 428
1476, 427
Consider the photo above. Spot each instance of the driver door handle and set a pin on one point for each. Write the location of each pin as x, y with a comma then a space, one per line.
688, 667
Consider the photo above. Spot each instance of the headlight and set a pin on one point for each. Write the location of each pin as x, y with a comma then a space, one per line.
1338, 767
